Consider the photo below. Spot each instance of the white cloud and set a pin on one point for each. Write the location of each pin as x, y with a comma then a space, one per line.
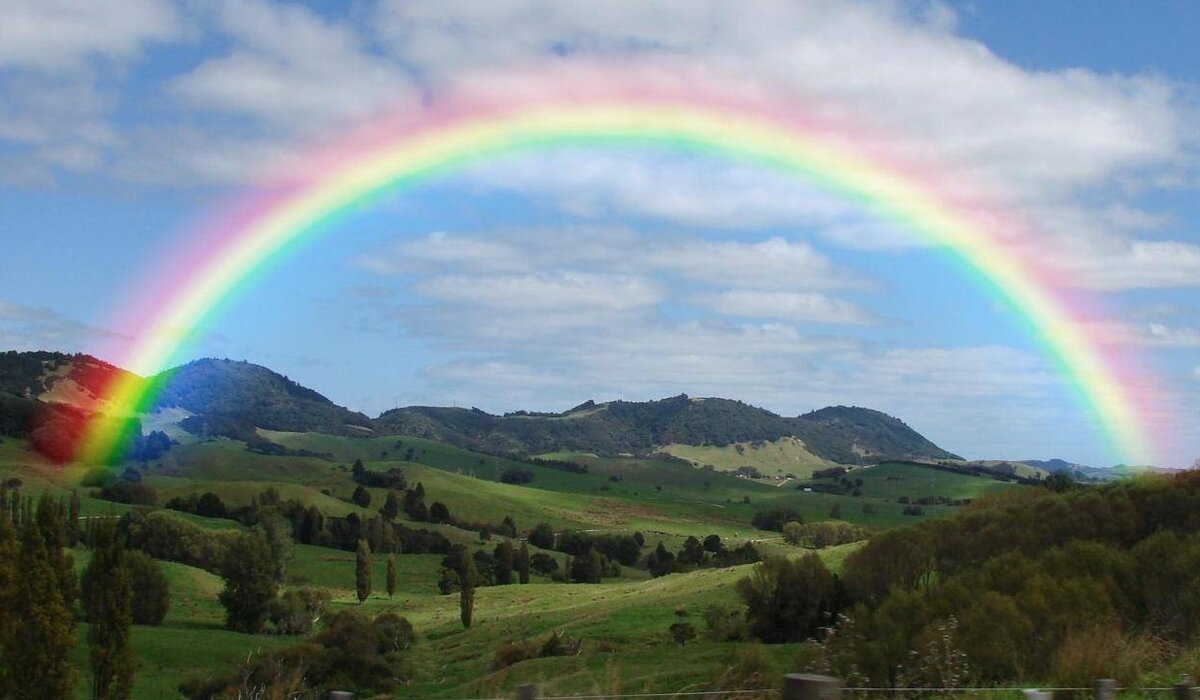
1166, 336
544, 291
57, 35
291, 69
789, 306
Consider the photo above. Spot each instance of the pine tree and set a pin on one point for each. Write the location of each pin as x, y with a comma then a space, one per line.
362, 570
391, 575
109, 602
467, 579
523, 563
41, 667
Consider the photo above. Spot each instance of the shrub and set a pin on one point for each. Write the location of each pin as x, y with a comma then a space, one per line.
775, 518
151, 592
511, 652
295, 612
683, 632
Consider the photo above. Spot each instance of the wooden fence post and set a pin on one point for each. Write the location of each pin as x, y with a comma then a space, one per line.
804, 686
1183, 689
527, 691
1106, 689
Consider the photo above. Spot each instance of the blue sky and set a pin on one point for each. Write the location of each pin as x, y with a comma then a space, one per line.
541, 280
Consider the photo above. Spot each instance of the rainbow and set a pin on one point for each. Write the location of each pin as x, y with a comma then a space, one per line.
395, 154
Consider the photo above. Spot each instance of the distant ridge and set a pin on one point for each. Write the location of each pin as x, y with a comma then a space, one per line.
235, 397
847, 435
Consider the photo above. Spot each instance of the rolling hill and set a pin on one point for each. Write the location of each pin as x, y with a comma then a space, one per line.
235, 398
847, 435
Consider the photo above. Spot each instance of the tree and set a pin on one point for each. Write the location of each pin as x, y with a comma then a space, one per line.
692, 552
109, 605
278, 534
362, 571
588, 567
40, 665
793, 532
391, 575
151, 592
439, 513
504, 563
542, 535
788, 601
712, 544
391, 507
660, 562
683, 632
523, 563
361, 497
249, 583
8, 582
835, 510
467, 579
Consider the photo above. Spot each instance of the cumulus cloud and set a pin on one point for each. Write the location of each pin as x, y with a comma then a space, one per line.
544, 292
291, 68
59, 35
790, 306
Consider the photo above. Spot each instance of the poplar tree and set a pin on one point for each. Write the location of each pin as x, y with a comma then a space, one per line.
504, 563
362, 570
391, 575
40, 666
8, 593
523, 563
109, 605
468, 577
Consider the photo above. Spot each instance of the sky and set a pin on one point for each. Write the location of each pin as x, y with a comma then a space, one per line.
540, 280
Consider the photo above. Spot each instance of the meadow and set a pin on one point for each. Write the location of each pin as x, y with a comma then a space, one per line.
622, 622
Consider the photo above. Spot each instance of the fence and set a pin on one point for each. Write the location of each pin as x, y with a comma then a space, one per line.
798, 686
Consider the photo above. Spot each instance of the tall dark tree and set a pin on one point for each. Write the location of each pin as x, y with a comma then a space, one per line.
391, 507
523, 563
9, 551
249, 583
108, 600
40, 659
391, 575
361, 497
503, 563
468, 578
362, 571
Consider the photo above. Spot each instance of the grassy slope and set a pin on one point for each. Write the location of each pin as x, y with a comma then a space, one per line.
629, 617
777, 458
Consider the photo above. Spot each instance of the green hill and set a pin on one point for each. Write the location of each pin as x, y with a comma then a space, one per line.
838, 434
256, 396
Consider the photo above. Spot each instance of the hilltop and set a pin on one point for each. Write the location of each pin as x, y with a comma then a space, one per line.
235, 398
841, 434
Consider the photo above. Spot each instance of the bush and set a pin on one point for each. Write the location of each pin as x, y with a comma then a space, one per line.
151, 592
295, 612
517, 476
683, 632
749, 669
725, 624
775, 518
125, 491
510, 652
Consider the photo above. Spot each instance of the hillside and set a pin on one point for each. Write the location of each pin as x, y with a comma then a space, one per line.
837, 434
255, 396
233, 399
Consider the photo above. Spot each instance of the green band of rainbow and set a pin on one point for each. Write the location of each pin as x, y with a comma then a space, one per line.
727, 130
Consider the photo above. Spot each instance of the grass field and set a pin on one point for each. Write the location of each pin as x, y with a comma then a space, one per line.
777, 458
623, 622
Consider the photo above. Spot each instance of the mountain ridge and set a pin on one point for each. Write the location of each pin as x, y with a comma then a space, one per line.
246, 396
